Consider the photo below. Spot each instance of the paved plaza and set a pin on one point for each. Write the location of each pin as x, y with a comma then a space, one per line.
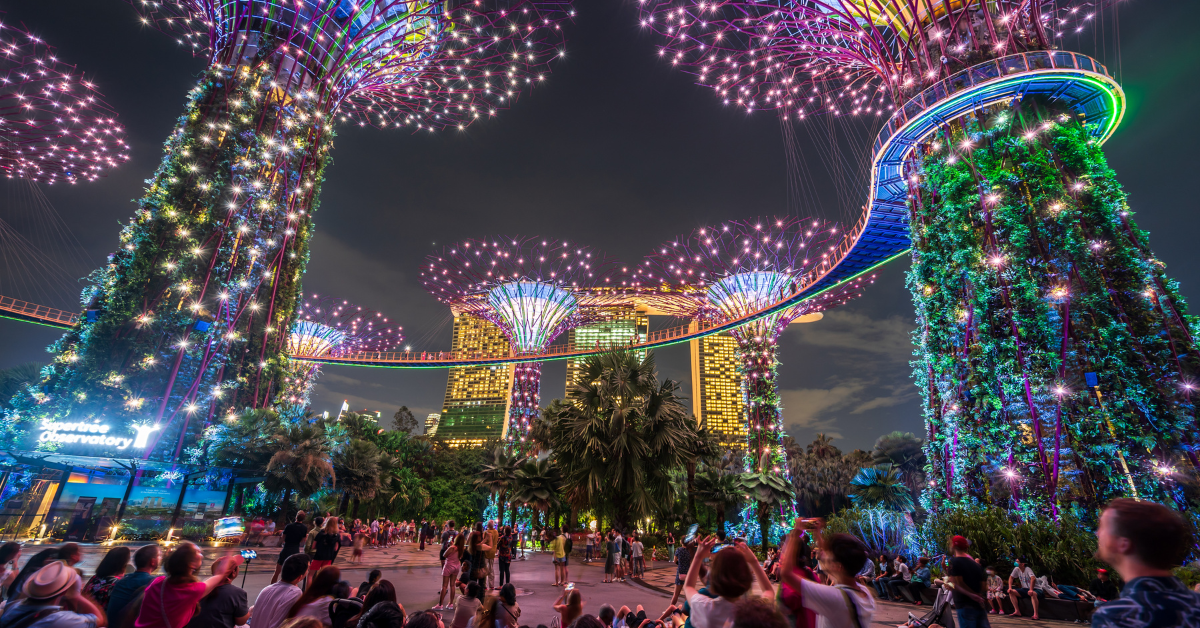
417, 577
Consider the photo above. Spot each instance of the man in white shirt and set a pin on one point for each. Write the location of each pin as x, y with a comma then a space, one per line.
902, 578
271, 607
1024, 576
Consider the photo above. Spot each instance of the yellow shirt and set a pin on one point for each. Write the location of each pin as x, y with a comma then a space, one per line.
560, 547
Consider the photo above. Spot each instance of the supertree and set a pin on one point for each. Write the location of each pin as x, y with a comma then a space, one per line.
326, 327
193, 310
1056, 357
53, 124
533, 289
731, 271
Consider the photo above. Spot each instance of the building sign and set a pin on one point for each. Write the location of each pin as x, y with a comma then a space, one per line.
95, 433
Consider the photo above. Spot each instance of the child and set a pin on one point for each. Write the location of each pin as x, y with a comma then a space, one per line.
995, 589
356, 557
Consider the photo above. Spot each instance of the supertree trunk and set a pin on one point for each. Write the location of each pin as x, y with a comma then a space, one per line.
191, 313
1055, 356
524, 406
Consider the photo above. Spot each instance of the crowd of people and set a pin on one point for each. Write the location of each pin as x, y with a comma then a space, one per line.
814, 580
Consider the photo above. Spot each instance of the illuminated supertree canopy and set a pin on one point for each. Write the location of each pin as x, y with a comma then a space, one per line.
53, 124
194, 309
326, 326
532, 289
1056, 359
847, 57
733, 270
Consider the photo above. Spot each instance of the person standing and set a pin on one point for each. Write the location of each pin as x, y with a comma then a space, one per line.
968, 579
635, 551
1144, 541
683, 562
424, 533
226, 605
559, 547
145, 562
325, 546
492, 538
587, 548
294, 535
451, 567
504, 555
274, 601
845, 602
670, 543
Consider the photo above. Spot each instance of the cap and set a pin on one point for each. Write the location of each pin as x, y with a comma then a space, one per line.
959, 542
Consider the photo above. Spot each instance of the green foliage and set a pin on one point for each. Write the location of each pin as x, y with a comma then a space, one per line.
14, 380
618, 437
883, 531
1065, 548
822, 474
720, 488
881, 488
1028, 273
404, 421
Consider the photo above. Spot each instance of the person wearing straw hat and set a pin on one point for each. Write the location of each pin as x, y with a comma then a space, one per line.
47, 591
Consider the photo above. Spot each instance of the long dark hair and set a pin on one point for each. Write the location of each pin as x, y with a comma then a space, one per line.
382, 591
179, 564
322, 585
114, 562
38, 561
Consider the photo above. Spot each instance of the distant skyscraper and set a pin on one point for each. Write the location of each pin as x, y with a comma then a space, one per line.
619, 325
477, 397
717, 396
431, 423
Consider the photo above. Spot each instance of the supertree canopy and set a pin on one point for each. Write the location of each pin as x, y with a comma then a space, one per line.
1056, 357
733, 270
53, 124
193, 310
532, 289
325, 327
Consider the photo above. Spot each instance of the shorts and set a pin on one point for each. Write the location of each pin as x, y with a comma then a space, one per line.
678, 580
285, 553
316, 565
996, 595
1023, 592
560, 561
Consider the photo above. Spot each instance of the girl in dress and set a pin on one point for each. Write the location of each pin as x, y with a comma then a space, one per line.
995, 589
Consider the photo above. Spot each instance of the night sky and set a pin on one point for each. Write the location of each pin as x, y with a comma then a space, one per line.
618, 150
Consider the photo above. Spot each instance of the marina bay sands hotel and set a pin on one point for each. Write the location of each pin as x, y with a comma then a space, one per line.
477, 397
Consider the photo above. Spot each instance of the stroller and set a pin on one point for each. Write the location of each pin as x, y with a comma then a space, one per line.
939, 614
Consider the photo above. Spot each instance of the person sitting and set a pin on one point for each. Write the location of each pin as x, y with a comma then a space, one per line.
866, 575
274, 601
758, 613
344, 606
995, 592
1024, 575
467, 606
1103, 588
226, 606
380, 608
99, 587
901, 579
46, 591
920, 580
569, 606
885, 575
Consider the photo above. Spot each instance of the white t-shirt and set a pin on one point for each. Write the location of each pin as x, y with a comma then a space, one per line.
710, 612
318, 608
636, 549
903, 569
1026, 576
591, 539
829, 603
271, 607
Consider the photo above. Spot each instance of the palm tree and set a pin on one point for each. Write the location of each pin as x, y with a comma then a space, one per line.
536, 484
619, 436
881, 487
906, 452
770, 490
357, 465
301, 463
823, 447
719, 488
499, 471
701, 447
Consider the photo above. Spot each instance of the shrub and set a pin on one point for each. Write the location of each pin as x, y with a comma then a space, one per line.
883, 531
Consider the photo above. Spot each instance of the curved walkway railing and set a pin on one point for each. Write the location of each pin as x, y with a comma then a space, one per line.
880, 235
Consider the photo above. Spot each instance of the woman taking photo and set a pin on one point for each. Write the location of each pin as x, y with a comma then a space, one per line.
845, 603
